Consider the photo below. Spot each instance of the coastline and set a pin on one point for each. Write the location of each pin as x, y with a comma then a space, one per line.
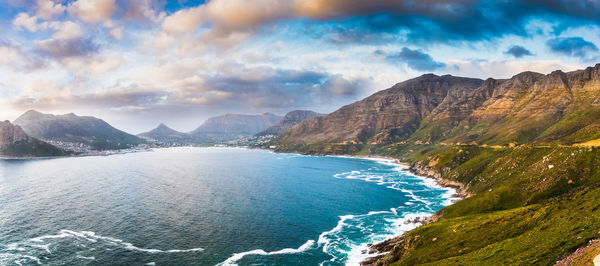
379, 250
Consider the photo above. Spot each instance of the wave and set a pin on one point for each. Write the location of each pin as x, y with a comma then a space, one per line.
238, 256
30, 250
348, 241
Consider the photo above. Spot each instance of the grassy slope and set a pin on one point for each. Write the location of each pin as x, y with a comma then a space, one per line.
531, 205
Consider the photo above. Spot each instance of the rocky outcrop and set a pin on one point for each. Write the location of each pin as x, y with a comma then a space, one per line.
14, 142
288, 121
10, 134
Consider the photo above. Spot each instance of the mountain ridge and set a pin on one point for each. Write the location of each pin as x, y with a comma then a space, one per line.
79, 129
289, 120
527, 107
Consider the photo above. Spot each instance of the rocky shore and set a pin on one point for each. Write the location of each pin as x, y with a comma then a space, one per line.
381, 249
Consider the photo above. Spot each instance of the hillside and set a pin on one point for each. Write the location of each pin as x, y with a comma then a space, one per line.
386, 116
232, 126
288, 121
524, 149
14, 142
530, 107
78, 129
164, 134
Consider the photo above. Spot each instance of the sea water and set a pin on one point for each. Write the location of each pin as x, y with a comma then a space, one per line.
206, 206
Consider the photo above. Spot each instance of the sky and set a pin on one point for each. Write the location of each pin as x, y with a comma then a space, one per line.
138, 63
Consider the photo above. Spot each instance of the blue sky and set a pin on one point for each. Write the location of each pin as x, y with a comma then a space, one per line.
137, 63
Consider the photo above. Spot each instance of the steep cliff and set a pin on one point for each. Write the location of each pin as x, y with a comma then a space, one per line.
14, 142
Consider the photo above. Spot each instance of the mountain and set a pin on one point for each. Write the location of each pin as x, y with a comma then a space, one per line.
232, 126
288, 121
523, 151
165, 134
89, 130
386, 116
14, 142
560, 107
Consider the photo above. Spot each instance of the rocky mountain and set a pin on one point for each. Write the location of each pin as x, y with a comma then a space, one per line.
288, 121
164, 134
386, 116
78, 129
555, 108
232, 126
14, 142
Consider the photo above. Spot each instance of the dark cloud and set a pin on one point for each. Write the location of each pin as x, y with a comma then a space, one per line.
572, 46
66, 48
427, 22
415, 59
518, 51
288, 88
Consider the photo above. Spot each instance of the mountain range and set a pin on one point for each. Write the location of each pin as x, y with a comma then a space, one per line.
529, 107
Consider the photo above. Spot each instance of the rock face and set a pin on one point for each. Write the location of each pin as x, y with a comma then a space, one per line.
288, 121
72, 128
165, 134
232, 126
555, 108
14, 142
388, 115
10, 134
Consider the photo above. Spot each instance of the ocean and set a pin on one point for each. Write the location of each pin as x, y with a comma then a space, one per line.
206, 206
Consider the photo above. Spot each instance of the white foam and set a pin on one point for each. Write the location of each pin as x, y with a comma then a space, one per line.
85, 258
41, 243
352, 252
238, 256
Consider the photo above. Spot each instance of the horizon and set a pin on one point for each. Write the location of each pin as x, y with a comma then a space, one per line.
139, 63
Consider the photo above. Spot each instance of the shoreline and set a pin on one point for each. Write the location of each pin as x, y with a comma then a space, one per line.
379, 250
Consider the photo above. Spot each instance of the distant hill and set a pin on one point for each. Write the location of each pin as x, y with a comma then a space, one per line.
14, 142
72, 128
289, 120
232, 126
165, 134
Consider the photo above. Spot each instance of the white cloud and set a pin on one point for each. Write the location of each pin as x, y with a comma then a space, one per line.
47, 9
116, 33
67, 30
92, 11
23, 20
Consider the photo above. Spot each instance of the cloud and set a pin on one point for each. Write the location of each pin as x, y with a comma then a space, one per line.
92, 11
572, 46
368, 22
23, 20
415, 59
116, 33
518, 51
59, 48
47, 9
67, 30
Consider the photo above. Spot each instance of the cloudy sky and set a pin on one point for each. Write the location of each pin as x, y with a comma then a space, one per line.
136, 63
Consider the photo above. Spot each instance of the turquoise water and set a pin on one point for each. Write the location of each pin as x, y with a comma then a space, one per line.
205, 206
